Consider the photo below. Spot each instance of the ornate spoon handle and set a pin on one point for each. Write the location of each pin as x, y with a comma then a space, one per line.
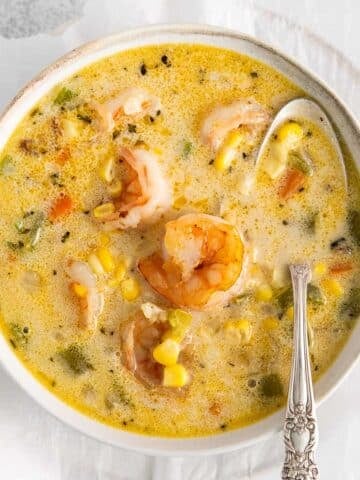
300, 430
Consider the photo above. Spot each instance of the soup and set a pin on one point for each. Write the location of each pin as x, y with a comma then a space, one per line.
145, 256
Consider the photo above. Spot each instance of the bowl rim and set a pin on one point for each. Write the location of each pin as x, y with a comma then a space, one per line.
153, 445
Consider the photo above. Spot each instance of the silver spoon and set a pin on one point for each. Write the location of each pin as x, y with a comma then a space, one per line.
300, 429
298, 109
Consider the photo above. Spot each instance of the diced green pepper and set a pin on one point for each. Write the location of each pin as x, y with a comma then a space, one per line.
64, 95
19, 335
314, 295
187, 148
350, 308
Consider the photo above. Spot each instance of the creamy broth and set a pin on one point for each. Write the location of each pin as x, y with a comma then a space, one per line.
237, 353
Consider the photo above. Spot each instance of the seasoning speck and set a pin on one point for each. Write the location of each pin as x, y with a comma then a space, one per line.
143, 69
131, 128
65, 237
254, 74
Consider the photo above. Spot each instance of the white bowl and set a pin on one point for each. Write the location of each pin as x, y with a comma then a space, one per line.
219, 37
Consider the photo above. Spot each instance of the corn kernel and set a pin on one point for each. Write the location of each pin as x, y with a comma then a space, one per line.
227, 151
333, 287
104, 210
290, 313
175, 376
119, 276
167, 352
130, 289
157, 151
271, 323
70, 128
95, 264
106, 171
79, 290
320, 269
106, 259
264, 293
115, 188
179, 202
242, 327
104, 239
290, 133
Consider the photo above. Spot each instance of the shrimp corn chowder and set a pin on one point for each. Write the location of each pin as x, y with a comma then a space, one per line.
144, 277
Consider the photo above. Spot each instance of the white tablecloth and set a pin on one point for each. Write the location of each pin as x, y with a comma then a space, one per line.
36, 446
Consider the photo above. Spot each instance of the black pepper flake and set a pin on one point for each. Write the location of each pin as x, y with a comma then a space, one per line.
152, 119
53, 383
275, 136
86, 212
244, 155
301, 189
231, 364
13, 344
143, 69
223, 426
115, 134
124, 423
112, 332
165, 60
316, 368
285, 222
102, 330
111, 370
309, 133
26, 329
254, 74
321, 119
65, 237
51, 359
158, 112
131, 128
211, 161
251, 383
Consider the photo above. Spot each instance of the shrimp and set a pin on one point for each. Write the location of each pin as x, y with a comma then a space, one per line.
225, 118
145, 194
92, 302
139, 337
132, 101
201, 262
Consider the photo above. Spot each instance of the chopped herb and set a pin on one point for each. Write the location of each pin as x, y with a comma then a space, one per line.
350, 308
19, 335
354, 225
20, 227
84, 118
310, 222
75, 359
254, 74
15, 245
143, 69
314, 294
131, 128
118, 396
115, 134
187, 148
64, 95
271, 385
6, 165
65, 237
54, 179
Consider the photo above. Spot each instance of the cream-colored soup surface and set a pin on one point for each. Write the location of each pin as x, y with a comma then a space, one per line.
225, 338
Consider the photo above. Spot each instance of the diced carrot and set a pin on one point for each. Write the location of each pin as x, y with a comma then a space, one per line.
63, 156
292, 181
339, 268
61, 207
215, 409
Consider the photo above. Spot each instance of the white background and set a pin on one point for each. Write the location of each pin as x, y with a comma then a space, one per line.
34, 445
